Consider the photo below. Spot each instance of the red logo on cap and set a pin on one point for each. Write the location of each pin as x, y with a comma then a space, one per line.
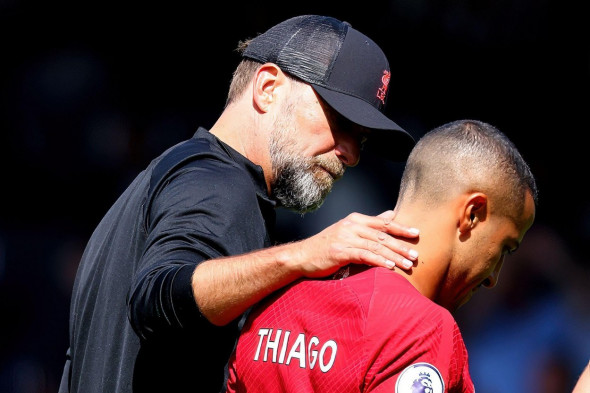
382, 92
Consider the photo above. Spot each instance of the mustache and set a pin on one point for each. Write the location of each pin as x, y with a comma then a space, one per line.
334, 166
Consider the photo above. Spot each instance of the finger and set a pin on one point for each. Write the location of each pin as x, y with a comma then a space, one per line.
387, 215
395, 228
400, 230
385, 223
368, 257
372, 247
392, 252
389, 247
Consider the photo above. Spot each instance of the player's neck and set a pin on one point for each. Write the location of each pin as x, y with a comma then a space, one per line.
434, 246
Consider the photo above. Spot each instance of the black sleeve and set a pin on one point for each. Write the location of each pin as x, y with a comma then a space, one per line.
207, 209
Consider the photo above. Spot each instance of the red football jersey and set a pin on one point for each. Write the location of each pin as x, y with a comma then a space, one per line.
370, 332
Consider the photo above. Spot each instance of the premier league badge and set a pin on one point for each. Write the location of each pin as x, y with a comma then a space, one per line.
420, 378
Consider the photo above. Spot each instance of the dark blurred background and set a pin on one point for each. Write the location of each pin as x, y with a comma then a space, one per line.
90, 93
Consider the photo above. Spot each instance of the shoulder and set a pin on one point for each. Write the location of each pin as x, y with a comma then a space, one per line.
399, 316
202, 167
202, 178
326, 308
383, 293
410, 307
408, 336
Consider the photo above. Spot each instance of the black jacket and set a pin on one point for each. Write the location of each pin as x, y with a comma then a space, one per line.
134, 324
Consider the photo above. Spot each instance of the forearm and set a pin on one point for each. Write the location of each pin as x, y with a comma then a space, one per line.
225, 288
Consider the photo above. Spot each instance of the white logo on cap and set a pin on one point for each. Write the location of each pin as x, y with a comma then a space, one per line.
420, 378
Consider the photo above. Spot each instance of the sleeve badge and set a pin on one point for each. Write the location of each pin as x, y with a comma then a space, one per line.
420, 378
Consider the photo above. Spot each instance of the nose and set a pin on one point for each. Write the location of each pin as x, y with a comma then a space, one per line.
348, 149
492, 279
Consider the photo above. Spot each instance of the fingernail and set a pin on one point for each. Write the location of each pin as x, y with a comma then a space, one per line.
407, 264
413, 254
390, 264
414, 231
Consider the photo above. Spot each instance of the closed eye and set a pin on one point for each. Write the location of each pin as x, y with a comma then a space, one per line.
339, 123
510, 250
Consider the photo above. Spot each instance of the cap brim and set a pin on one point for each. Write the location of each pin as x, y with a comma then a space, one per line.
387, 139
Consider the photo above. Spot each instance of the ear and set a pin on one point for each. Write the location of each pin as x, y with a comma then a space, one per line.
268, 77
473, 211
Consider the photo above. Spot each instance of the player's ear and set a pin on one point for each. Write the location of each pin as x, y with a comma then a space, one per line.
266, 80
473, 211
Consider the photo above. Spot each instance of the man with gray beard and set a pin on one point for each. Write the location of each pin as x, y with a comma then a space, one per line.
188, 248
301, 183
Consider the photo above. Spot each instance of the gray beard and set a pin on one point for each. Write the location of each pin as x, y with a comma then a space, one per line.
297, 184
295, 187
300, 184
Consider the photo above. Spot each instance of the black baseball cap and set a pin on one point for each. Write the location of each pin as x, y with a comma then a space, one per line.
346, 69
